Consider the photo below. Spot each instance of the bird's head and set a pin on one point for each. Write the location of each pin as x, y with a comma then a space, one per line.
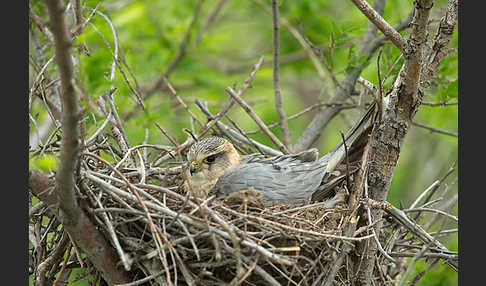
211, 157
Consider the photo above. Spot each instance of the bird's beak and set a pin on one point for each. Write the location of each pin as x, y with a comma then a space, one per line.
193, 167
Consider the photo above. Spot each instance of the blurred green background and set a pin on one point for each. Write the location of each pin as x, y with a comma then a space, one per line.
150, 33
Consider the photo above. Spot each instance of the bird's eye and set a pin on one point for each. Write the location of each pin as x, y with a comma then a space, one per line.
210, 159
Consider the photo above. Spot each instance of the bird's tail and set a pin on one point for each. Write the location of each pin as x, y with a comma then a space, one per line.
338, 153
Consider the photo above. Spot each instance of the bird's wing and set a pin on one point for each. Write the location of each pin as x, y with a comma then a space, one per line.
337, 154
285, 178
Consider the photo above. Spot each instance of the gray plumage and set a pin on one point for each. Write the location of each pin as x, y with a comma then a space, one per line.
289, 178
284, 178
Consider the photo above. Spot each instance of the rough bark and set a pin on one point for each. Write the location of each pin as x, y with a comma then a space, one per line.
383, 149
81, 230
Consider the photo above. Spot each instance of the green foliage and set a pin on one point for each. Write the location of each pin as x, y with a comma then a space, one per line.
46, 163
355, 62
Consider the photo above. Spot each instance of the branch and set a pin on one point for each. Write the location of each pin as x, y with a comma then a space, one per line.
381, 24
257, 119
436, 130
70, 113
88, 237
75, 221
298, 37
387, 137
159, 83
440, 47
343, 91
413, 59
237, 136
382, 151
276, 81
415, 229
209, 20
214, 119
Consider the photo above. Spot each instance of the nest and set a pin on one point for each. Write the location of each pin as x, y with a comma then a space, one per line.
163, 234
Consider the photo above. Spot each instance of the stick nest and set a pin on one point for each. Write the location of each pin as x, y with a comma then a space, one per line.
162, 232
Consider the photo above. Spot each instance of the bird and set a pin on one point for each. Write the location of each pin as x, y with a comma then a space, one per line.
214, 167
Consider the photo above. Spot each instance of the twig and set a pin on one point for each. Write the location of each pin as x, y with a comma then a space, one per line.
431, 190
440, 46
179, 99
284, 126
116, 124
250, 269
181, 52
63, 267
143, 280
318, 51
344, 251
126, 259
422, 273
78, 16
348, 184
444, 103
412, 264
237, 136
257, 119
80, 26
98, 131
379, 100
53, 259
343, 105
214, 119
209, 20
370, 222
240, 271
116, 61
369, 86
391, 69
298, 37
384, 27
436, 130
244, 134
414, 228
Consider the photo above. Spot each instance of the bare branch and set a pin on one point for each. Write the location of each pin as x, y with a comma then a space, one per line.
384, 27
284, 126
214, 119
181, 52
70, 113
73, 218
440, 47
209, 20
436, 130
87, 237
298, 37
78, 15
257, 119
315, 128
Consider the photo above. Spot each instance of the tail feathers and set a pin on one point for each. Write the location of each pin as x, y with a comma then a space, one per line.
337, 154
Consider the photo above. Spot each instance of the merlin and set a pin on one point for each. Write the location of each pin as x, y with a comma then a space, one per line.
215, 167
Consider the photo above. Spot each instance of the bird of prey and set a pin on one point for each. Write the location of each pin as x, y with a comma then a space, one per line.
215, 167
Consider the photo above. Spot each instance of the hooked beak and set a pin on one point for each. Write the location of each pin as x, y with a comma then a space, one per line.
193, 167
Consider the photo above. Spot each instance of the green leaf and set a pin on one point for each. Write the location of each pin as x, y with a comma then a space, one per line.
46, 163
